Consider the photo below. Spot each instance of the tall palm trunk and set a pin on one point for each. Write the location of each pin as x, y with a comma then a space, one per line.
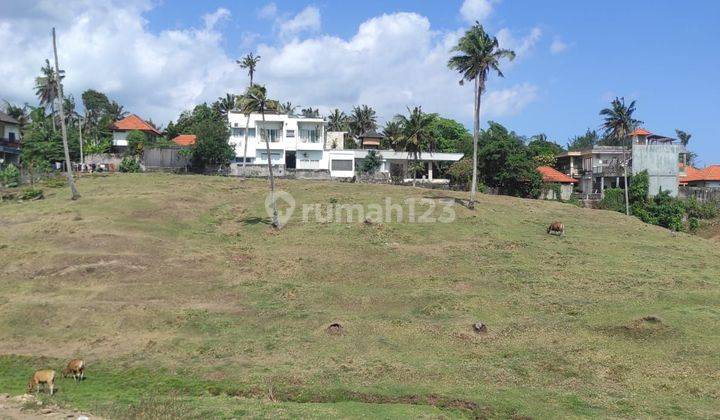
476, 127
275, 221
52, 114
247, 127
82, 156
68, 166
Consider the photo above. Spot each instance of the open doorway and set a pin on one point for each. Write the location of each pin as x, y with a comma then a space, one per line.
290, 160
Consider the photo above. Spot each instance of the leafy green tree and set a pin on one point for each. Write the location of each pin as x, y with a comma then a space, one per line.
416, 136
544, 151
130, 164
451, 136
371, 163
505, 163
478, 55
587, 140
618, 123
337, 121
20, 113
460, 172
310, 112
137, 140
362, 119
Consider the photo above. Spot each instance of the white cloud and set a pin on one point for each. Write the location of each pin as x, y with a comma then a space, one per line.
472, 10
391, 62
307, 20
558, 46
211, 19
268, 11
522, 46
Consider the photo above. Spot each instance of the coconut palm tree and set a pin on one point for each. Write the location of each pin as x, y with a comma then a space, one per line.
288, 108
225, 104
59, 94
20, 113
392, 133
362, 119
249, 62
256, 101
337, 121
478, 55
618, 123
46, 88
416, 135
310, 112
683, 136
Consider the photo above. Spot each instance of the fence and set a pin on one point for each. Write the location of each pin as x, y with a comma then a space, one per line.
167, 158
701, 194
261, 171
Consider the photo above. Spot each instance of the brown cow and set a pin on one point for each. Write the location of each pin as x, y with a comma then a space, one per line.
556, 227
76, 368
46, 377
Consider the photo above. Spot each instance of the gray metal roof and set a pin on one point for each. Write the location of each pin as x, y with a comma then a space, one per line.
8, 119
425, 156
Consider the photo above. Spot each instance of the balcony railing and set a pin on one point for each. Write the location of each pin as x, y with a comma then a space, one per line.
15, 144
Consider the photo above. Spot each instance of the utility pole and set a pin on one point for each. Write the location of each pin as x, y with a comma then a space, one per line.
68, 165
82, 157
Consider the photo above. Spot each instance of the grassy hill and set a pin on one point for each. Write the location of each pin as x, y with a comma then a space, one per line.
184, 302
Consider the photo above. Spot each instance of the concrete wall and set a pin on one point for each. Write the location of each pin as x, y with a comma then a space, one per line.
661, 162
261, 171
566, 191
164, 158
702, 194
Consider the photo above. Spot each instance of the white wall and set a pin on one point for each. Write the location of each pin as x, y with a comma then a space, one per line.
120, 138
10, 128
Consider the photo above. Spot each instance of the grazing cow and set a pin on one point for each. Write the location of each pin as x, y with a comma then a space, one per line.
45, 377
556, 227
76, 368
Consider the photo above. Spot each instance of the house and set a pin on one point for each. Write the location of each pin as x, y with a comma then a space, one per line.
370, 140
600, 167
185, 140
303, 143
120, 130
296, 142
707, 177
9, 140
553, 176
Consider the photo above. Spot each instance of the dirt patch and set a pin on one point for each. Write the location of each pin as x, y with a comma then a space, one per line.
28, 407
642, 328
335, 329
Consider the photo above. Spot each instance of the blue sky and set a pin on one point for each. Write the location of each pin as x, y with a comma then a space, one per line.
576, 56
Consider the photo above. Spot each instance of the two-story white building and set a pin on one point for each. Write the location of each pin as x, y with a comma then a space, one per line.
296, 142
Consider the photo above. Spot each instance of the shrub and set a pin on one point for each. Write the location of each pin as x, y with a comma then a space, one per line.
130, 164
707, 210
10, 176
614, 199
136, 142
460, 172
693, 224
371, 163
32, 194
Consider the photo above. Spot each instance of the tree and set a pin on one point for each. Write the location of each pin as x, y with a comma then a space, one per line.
543, 151
136, 142
310, 112
211, 129
46, 88
478, 54
392, 134
371, 163
58, 84
288, 108
257, 100
618, 123
116, 111
225, 104
451, 136
416, 135
683, 136
20, 113
249, 62
362, 119
337, 121
589, 139
505, 163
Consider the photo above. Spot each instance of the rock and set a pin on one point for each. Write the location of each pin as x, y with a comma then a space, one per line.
480, 328
83, 418
47, 411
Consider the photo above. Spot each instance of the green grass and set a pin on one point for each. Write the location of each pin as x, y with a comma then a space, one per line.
185, 303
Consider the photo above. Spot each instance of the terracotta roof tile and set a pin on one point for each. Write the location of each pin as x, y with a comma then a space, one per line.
640, 132
710, 173
552, 175
185, 139
133, 122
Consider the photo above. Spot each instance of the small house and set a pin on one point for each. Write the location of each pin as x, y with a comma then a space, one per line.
554, 177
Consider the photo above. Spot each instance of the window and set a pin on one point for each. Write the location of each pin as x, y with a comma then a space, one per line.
309, 135
290, 133
11, 137
272, 135
341, 165
239, 159
274, 156
240, 132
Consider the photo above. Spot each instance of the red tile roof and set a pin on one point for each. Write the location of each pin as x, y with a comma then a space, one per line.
640, 132
185, 139
133, 122
710, 173
552, 175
